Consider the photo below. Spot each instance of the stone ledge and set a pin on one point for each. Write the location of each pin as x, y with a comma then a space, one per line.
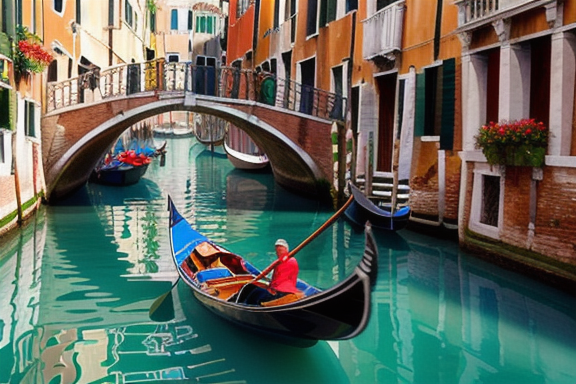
534, 265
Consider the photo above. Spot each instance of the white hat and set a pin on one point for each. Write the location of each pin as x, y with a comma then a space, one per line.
282, 242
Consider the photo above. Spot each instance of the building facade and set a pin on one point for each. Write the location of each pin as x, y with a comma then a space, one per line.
421, 79
21, 173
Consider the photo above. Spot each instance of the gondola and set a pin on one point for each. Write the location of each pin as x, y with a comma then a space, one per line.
363, 209
118, 174
217, 278
127, 167
246, 161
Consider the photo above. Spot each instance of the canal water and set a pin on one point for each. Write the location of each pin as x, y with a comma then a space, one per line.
77, 283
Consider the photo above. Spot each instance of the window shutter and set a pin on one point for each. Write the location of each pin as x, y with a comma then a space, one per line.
174, 19
420, 112
331, 15
448, 101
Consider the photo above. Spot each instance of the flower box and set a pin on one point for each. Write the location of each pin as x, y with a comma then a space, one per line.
517, 143
29, 54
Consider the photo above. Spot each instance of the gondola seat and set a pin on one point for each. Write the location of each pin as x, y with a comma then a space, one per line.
211, 274
289, 298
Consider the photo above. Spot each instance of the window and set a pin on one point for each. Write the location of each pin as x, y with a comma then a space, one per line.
19, 16
490, 197
30, 118
4, 71
242, 7
487, 201
338, 81
173, 57
2, 154
351, 5
58, 6
435, 99
327, 11
189, 20
110, 12
383, 3
205, 23
312, 18
78, 12
152, 22
128, 14
174, 20
4, 108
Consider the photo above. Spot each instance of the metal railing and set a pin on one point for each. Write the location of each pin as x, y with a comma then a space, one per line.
474, 10
224, 82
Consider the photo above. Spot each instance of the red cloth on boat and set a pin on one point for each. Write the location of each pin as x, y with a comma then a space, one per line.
285, 276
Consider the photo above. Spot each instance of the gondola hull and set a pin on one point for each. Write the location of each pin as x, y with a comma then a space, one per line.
119, 176
245, 161
362, 210
340, 312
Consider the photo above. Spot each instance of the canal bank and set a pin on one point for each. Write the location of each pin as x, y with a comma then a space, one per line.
533, 265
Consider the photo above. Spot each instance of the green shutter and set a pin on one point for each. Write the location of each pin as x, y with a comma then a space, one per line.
331, 13
323, 13
448, 101
420, 112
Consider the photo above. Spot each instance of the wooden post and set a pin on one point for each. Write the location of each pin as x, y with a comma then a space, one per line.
16, 178
341, 162
395, 176
369, 172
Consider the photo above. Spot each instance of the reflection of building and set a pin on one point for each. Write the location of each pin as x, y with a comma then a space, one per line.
71, 334
438, 317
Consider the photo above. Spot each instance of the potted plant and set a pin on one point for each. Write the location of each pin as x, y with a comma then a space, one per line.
516, 143
29, 54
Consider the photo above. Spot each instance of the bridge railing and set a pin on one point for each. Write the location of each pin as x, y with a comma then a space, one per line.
225, 82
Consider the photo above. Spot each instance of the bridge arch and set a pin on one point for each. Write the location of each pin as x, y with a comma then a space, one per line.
299, 148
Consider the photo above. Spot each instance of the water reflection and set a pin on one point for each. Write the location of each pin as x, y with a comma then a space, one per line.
441, 316
76, 285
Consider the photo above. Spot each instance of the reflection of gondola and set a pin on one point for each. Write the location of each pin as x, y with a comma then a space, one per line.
217, 277
246, 161
362, 210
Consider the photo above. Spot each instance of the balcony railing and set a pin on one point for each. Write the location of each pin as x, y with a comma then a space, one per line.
383, 31
225, 82
470, 11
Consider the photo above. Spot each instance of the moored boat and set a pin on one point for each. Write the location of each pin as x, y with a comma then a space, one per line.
120, 174
363, 209
217, 277
246, 161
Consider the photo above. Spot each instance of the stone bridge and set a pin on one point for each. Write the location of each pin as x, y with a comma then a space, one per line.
291, 123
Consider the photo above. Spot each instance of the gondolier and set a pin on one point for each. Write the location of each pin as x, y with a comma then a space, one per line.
283, 281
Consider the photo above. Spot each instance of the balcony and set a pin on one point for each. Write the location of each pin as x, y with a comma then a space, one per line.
383, 32
474, 13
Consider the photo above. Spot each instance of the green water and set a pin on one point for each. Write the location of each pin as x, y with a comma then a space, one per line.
77, 282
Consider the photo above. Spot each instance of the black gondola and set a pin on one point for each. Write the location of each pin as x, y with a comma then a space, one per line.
217, 276
363, 209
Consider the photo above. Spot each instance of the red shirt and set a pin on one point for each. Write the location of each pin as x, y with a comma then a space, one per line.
285, 276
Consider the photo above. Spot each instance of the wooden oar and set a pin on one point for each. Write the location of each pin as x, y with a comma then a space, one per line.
162, 309
329, 222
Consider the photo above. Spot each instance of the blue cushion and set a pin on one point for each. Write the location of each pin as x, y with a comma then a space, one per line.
215, 273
